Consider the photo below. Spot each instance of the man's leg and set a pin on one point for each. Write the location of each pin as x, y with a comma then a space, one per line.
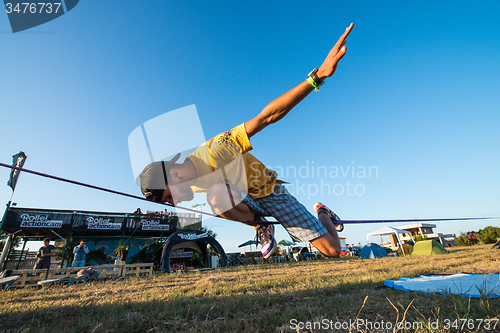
328, 244
79, 263
228, 203
300, 223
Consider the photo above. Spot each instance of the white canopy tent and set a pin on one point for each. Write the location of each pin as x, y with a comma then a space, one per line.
390, 231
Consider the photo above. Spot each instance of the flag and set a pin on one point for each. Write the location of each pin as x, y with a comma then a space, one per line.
17, 161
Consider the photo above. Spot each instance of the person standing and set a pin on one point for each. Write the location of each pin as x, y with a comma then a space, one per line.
79, 254
124, 258
44, 255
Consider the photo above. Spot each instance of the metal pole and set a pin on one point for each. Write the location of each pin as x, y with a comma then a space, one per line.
21, 256
66, 247
401, 244
58, 235
5, 252
5, 213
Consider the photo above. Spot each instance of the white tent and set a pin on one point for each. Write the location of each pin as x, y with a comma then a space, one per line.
389, 231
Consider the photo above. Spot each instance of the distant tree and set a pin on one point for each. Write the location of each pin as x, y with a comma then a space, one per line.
210, 232
489, 234
15, 242
120, 248
462, 240
419, 238
472, 237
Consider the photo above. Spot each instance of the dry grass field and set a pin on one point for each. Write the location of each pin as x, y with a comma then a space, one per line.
260, 298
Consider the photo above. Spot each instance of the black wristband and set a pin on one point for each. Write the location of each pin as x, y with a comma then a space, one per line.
315, 77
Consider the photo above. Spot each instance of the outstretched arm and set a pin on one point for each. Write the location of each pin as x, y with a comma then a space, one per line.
280, 107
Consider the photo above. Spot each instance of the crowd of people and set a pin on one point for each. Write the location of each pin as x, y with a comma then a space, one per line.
164, 213
178, 267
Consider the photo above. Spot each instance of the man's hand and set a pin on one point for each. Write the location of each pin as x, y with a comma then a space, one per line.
280, 107
337, 52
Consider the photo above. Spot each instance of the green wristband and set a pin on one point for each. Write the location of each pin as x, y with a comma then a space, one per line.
312, 83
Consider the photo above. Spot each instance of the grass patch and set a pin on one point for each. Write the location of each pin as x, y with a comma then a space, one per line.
258, 298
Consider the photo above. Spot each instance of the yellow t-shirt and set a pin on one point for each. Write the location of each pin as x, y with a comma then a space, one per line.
225, 159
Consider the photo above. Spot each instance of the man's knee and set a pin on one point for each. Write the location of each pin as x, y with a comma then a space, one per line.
330, 253
216, 194
222, 198
327, 245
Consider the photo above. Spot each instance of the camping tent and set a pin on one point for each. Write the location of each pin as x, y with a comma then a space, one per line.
428, 247
371, 251
496, 245
389, 231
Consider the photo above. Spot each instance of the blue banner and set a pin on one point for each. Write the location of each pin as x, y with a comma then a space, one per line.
17, 161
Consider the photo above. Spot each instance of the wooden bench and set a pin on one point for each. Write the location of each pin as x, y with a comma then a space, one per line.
9, 281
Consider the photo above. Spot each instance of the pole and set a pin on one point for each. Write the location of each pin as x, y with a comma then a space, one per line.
5, 252
5, 213
21, 256
401, 244
67, 247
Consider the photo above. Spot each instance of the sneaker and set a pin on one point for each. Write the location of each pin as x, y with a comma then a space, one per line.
267, 242
320, 208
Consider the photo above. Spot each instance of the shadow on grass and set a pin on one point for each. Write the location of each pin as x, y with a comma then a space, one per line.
251, 311
260, 298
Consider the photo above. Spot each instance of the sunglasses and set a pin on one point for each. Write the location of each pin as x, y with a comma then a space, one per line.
156, 195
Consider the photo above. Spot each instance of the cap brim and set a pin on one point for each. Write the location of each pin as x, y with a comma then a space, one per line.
175, 158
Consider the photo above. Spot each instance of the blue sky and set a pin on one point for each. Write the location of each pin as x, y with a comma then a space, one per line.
416, 98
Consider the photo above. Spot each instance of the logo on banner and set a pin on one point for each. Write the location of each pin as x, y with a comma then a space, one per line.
180, 253
25, 15
38, 221
192, 236
154, 225
102, 224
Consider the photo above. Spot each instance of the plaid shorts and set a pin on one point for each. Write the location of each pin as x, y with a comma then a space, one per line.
289, 212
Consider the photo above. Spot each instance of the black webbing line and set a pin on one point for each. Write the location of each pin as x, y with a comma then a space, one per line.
214, 215
101, 188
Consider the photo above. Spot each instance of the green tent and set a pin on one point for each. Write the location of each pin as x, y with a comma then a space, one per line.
428, 247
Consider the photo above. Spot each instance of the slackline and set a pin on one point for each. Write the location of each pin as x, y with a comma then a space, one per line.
213, 215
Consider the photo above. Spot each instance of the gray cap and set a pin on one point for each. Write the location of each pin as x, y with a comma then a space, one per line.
155, 176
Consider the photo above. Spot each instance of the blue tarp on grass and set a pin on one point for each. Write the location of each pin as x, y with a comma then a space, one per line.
468, 285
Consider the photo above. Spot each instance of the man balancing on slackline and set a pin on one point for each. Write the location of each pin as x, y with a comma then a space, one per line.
239, 187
